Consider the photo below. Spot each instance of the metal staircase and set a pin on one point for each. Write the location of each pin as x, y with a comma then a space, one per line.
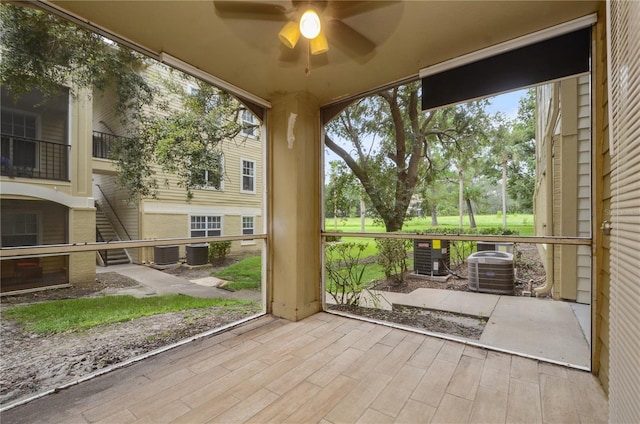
105, 232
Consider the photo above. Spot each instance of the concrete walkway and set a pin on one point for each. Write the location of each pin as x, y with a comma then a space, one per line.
155, 282
541, 328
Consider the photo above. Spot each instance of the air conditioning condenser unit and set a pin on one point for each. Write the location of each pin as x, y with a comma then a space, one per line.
491, 272
431, 257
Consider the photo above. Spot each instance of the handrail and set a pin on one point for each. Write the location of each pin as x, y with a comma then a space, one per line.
41, 250
586, 241
113, 211
102, 143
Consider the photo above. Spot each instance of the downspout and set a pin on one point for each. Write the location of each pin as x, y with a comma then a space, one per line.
548, 285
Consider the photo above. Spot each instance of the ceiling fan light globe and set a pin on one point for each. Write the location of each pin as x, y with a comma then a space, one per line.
310, 24
319, 44
289, 34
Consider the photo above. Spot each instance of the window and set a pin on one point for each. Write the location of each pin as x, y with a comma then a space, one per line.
16, 150
249, 124
247, 225
248, 228
206, 226
248, 176
212, 179
19, 229
18, 124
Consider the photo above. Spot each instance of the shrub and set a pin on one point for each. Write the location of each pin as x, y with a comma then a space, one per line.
218, 251
331, 239
345, 273
392, 257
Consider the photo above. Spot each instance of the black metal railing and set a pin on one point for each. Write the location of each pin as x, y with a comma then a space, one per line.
103, 143
112, 213
31, 158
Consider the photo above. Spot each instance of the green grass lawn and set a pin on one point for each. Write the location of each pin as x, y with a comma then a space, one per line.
523, 223
246, 274
78, 314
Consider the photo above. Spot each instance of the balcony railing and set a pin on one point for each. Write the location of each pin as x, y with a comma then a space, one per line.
103, 143
31, 158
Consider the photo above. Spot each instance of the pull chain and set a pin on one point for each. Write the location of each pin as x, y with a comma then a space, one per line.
307, 70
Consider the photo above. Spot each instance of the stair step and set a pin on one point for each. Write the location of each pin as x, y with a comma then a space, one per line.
103, 225
117, 261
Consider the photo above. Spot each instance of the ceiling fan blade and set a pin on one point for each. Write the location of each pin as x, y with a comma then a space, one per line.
345, 9
251, 10
348, 39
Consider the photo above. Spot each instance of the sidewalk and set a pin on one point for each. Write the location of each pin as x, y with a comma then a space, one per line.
542, 328
155, 282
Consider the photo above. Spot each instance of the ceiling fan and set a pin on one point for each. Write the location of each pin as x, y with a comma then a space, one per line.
319, 21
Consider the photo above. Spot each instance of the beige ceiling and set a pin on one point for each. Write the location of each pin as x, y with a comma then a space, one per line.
410, 35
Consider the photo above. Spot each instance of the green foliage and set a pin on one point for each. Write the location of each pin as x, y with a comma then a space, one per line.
44, 52
78, 314
218, 251
333, 239
392, 257
246, 274
390, 145
342, 193
187, 143
345, 272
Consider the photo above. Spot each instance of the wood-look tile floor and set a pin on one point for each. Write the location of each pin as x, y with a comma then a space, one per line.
326, 369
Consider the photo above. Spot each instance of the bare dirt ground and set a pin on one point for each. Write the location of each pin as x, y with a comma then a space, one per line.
529, 275
35, 363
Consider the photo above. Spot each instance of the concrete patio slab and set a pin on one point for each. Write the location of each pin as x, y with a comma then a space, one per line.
466, 303
153, 282
538, 327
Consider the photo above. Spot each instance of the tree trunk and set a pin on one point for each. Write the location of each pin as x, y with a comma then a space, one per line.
472, 219
460, 196
434, 210
504, 193
434, 216
363, 213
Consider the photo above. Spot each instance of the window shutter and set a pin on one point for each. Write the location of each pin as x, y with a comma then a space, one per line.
623, 23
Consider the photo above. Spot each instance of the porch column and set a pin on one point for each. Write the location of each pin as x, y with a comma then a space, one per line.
82, 228
293, 184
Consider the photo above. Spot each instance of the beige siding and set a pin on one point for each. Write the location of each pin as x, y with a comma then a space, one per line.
168, 215
584, 189
600, 309
164, 225
624, 114
53, 127
564, 168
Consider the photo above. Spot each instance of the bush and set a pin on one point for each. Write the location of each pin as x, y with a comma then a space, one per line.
345, 273
331, 239
392, 257
218, 251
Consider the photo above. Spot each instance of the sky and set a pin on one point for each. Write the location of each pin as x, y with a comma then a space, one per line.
507, 103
